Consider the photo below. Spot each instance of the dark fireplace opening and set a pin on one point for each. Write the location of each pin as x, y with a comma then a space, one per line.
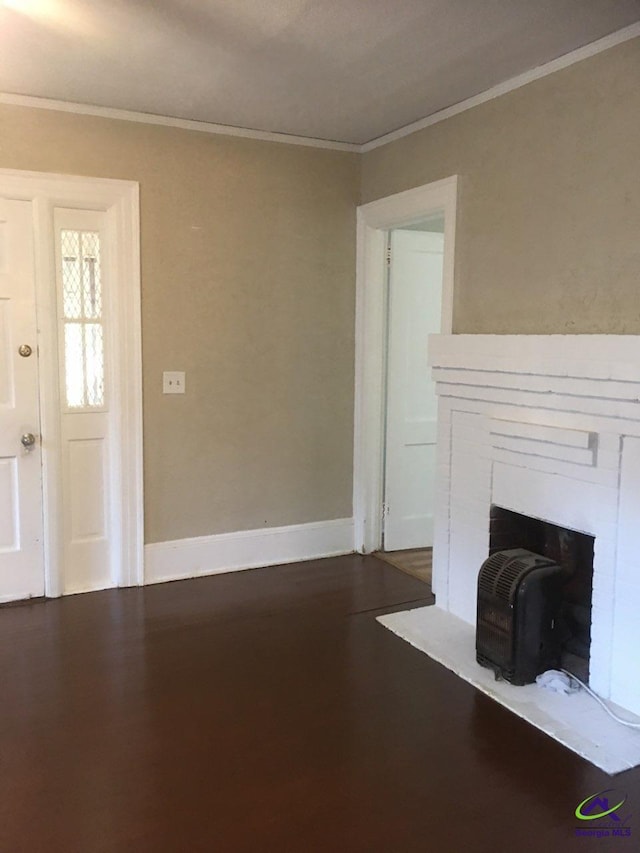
571, 550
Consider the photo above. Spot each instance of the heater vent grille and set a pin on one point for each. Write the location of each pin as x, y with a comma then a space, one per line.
501, 573
508, 579
491, 570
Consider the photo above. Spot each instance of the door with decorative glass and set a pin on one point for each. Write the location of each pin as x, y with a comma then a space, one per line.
84, 431
71, 507
21, 524
82, 273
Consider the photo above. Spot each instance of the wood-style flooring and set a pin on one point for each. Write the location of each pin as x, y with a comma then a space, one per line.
267, 710
416, 562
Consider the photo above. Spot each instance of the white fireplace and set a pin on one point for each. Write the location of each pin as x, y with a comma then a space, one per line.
549, 427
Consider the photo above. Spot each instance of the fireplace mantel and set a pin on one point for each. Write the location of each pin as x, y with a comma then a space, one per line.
548, 426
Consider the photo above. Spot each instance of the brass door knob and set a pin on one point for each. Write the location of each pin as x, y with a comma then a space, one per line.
25, 350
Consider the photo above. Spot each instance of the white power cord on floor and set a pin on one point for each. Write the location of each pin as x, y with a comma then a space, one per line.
601, 702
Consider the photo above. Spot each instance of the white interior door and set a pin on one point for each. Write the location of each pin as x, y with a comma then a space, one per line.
71, 502
415, 308
21, 521
84, 297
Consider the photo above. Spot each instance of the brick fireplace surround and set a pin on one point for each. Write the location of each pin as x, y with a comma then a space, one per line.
546, 426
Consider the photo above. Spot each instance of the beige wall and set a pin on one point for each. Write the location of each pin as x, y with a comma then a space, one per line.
248, 285
548, 234
248, 272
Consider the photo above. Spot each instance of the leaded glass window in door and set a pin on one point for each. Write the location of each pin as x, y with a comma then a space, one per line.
82, 319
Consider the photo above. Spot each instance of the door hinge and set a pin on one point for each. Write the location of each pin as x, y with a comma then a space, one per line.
388, 256
385, 510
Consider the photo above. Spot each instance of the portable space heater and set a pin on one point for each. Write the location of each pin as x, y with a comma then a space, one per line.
519, 595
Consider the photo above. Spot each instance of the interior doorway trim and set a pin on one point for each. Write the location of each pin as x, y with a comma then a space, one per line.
373, 221
119, 200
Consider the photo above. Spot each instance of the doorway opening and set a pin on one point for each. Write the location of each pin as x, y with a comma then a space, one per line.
404, 294
414, 311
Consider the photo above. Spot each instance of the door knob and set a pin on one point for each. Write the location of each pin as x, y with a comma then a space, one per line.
25, 350
28, 440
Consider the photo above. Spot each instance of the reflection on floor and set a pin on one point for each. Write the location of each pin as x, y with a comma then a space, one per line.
576, 721
267, 710
415, 562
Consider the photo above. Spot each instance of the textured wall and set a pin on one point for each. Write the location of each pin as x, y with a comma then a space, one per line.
248, 272
248, 285
548, 236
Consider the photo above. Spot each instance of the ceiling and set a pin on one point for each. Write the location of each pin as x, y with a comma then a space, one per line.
344, 70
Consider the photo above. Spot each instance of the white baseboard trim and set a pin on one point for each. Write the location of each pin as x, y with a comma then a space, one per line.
246, 549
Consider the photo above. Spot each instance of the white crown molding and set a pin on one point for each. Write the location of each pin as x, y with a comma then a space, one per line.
507, 86
168, 121
588, 50
246, 549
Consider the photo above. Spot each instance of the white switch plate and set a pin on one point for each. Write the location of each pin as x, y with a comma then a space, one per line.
173, 382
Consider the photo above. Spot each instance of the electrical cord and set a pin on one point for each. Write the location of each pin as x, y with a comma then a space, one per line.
601, 702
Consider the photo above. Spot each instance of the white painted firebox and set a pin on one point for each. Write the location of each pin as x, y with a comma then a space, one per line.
546, 426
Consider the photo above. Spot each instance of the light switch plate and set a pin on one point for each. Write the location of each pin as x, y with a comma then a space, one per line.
173, 382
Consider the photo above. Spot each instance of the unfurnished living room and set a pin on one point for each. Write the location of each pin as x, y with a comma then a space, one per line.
319, 426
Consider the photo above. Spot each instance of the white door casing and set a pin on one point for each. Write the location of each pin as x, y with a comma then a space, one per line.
414, 312
21, 524
111, 207
374, 220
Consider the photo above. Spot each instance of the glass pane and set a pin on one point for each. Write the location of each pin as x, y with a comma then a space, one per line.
82, 302
74, 365
94, 364
71, 275
91, 282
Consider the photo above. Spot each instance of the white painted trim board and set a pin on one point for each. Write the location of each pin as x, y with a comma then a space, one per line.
170, 121
561, 62
373, 221
530, 76
246, 549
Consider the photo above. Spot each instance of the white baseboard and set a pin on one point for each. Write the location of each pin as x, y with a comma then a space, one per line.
246, 549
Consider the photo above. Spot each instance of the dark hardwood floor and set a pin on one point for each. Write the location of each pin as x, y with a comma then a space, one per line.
266, 711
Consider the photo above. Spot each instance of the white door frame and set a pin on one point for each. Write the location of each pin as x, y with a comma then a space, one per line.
373, 222
120, 201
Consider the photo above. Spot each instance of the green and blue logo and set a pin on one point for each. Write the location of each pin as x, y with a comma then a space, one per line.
603, 807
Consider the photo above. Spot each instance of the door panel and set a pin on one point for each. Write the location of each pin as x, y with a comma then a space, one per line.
415, 307
9, 519
21, 527
82, 273
6, 383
